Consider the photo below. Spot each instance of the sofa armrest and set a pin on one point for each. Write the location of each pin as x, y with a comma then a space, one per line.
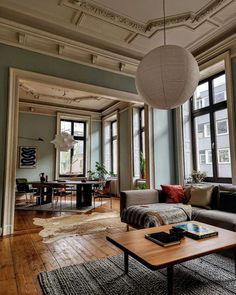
138, 197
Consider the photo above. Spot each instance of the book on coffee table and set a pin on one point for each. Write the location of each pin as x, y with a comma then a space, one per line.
163, 239
196, 231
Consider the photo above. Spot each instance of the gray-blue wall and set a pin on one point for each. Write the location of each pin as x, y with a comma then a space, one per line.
35, 126
96, 143
27, 60
164, 148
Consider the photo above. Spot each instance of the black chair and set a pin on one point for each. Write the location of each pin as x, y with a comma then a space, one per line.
23, 189
103, 193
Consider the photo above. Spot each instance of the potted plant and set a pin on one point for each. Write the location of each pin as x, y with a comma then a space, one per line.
198, 176
101, 171
91, 174
142, 166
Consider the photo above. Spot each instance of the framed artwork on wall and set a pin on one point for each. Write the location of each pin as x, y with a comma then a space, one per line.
27, 156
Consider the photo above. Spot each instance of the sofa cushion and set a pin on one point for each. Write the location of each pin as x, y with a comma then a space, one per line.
201, 196
228, 188
174, 193
227, 202
218, 218
138, 197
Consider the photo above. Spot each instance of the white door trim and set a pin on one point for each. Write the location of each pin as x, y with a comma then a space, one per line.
12, 129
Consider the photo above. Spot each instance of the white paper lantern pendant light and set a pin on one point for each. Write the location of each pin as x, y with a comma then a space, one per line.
167, 76
64, 141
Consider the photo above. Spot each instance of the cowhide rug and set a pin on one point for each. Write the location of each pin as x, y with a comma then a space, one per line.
82, 224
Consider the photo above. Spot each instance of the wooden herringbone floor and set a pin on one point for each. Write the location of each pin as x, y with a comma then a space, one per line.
24, 255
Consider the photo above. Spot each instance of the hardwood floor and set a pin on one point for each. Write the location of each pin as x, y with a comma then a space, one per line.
24, 255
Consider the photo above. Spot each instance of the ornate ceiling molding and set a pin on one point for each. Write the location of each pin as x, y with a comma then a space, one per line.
210, 8
189, 18
106, 14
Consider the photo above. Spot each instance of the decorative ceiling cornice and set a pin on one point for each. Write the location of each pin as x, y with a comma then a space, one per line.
205, 11
108, 15
192, 19
169, 21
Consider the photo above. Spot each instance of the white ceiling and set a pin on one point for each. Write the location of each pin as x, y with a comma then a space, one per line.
128, 27
46, 94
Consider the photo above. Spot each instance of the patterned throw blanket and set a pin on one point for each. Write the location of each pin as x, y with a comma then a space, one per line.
151, 215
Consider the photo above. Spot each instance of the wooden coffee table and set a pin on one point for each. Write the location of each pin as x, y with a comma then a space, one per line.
155, 257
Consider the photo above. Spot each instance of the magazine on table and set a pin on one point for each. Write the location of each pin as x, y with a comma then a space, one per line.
196, 231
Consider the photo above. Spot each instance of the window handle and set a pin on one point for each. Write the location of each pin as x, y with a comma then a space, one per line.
213, 145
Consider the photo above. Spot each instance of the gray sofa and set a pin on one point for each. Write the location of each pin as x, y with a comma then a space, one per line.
221, 212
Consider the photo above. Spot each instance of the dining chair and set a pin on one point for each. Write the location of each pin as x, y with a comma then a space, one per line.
60, 191
23, 189
103, 193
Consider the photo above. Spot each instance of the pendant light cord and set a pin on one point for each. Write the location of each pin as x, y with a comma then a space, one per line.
164, 19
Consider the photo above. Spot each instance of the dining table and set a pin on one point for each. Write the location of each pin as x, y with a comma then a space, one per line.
84, 190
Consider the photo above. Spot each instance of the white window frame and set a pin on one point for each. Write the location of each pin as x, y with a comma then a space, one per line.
200, 159
227, 125
87, 119
205, 130
207, 152
218, 155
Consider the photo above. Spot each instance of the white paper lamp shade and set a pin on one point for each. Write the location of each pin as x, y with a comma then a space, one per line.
64, 141
167, 77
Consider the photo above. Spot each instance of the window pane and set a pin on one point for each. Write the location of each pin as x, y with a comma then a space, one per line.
222, 143
66, 126
143, 144
78, 129
136, 142
203, 144
77, 159
114, 129
114, 151
188, 164
142, 118
201, 96
219, 89
65, 162
107, 145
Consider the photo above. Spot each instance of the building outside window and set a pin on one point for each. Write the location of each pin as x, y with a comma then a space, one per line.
223, 156
110, 144
222, 127
209, 138
138, 141
72, 162
114, 147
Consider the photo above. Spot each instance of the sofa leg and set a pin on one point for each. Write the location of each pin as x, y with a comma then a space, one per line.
127, 227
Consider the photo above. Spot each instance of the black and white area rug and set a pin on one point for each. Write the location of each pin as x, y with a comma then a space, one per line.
210, 275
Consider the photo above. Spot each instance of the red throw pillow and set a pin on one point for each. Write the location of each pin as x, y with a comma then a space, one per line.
174, 193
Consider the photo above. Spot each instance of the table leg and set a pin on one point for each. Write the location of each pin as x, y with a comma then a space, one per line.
126, 261
170, 271
78, 196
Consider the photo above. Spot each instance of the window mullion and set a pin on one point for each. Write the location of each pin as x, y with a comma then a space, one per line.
213, 136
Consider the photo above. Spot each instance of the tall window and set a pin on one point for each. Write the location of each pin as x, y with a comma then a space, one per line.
72, 162
210, 136
110, 130
114, 147
138, 140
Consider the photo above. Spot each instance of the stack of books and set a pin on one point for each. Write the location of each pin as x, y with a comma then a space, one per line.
163, 239
196, 231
